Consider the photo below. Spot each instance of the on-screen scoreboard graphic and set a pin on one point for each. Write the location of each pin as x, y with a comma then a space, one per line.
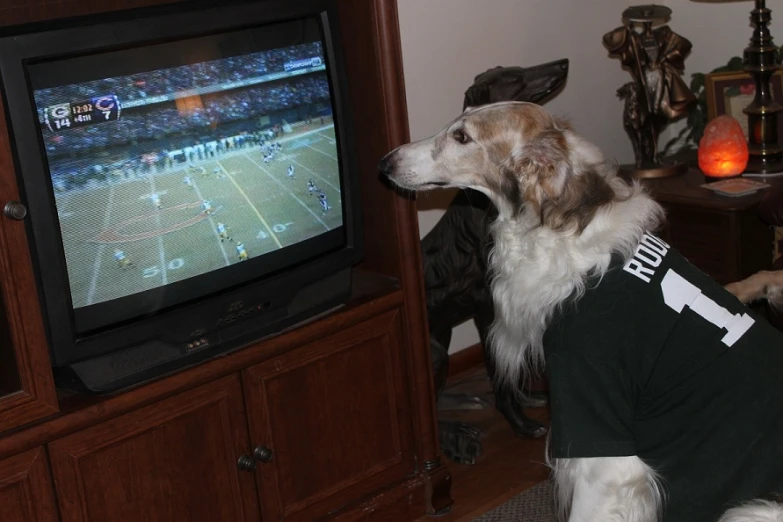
97, 109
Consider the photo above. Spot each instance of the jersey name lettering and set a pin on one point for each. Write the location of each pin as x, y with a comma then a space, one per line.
649, 255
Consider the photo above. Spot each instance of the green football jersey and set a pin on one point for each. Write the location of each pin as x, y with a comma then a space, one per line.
659, 361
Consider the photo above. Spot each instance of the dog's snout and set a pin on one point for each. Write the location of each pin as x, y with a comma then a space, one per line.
386, 165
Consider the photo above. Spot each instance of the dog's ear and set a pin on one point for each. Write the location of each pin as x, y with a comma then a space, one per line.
543, 164
564, 189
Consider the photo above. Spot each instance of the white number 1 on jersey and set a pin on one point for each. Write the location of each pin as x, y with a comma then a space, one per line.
679, 293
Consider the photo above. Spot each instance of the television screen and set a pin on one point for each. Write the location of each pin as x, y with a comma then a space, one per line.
175, 161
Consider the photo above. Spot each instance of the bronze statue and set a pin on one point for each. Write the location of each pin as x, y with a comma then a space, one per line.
657, 94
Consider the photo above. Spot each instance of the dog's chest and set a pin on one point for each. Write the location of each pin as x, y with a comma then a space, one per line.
533, 269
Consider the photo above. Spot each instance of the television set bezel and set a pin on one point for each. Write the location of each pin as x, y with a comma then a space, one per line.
116, 30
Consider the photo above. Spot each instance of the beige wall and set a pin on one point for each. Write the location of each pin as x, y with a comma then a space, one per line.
445, 43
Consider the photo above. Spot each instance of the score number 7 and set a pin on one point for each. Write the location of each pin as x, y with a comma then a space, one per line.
679, 293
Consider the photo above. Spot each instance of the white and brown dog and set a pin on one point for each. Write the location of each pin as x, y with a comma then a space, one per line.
666, 392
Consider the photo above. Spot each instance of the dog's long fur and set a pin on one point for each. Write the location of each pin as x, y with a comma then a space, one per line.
607, 489
562, 213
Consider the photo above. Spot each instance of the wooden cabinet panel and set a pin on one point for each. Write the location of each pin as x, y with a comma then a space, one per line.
26, 489
173, 461
346, 397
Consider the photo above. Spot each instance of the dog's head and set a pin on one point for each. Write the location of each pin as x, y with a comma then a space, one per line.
517, 154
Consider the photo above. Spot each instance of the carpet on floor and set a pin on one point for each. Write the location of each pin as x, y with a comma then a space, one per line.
535, 504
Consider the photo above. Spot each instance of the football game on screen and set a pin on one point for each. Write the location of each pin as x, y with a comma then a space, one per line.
164, 175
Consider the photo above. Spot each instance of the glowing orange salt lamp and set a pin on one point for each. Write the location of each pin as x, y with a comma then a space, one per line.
723, 150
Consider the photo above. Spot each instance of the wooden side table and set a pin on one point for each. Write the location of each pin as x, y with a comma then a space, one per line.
723, 236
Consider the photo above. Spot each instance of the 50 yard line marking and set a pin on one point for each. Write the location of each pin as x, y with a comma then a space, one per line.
229, 176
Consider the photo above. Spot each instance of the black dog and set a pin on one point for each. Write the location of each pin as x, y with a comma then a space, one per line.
454, 257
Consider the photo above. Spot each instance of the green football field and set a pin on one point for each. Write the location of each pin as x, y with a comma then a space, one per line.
258, 203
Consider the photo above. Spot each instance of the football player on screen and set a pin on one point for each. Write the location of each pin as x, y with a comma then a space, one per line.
222, 231
241, 252
324, 203
122, 259
291, 171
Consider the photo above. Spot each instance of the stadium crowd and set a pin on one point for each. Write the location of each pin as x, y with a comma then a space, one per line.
158, 121
172, 80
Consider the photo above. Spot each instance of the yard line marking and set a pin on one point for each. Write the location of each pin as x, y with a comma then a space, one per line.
318, 176
97, 265
285, 189
320, 151
249, 202
211, 222
164, 276
298, 135
328, 138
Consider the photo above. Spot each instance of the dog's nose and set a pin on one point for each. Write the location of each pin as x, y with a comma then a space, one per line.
386, 165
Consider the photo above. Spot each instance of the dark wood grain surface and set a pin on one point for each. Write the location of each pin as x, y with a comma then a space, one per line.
22, 322
345, 396
26, 488
174, 461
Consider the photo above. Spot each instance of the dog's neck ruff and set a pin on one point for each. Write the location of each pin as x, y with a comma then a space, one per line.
535, 269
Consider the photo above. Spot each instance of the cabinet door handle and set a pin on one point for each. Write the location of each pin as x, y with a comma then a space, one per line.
246, 463
15, 210
262, 454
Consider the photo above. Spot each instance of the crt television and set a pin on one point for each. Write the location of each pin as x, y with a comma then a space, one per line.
189, 177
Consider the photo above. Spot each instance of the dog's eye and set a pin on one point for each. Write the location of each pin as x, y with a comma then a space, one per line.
460, 136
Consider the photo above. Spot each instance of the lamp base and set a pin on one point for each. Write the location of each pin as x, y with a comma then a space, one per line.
760, 60
709, 179
660, 170
771, 164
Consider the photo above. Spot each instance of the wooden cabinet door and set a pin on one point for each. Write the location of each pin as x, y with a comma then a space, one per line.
173, 461
26, 384
334, 418
26, 489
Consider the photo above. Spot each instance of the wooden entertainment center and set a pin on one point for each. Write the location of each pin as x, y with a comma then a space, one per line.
331, 420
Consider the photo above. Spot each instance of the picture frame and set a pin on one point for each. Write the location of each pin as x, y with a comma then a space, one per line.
730, 92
